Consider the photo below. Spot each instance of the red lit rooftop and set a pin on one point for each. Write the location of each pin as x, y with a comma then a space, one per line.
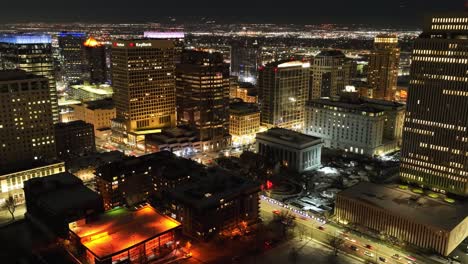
119, 229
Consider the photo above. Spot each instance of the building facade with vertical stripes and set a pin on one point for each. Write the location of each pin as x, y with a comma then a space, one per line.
404, 216
435, 136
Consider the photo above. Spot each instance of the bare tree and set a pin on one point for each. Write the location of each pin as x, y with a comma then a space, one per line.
286, 220
335, 242
10, 205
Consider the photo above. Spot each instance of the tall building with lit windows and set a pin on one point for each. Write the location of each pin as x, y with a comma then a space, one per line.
176, 36
283, 88
245, 60
31, 53
95, 68
26, 125
203, 97
71, 51
435, 135
143, 78
383, 67
330, 72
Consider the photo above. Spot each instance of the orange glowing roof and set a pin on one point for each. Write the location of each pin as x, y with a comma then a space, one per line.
120, 229
92, 42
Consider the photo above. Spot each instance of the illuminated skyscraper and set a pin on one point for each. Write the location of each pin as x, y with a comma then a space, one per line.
245, 60
177, 37
383, 67
94, 61
330, 73
26, 125
71, 49
283, 88
31, 53
143, 78
435, 136
203, 96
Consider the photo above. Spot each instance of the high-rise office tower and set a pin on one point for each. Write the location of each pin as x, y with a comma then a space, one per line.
143, 78
435, 135
245, 60
203, 96
71, 49
329, 74
95, 68
283, 88
26, 125
383, 67
31, 53
177, 37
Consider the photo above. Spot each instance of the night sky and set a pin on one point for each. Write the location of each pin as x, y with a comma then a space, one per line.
378, 12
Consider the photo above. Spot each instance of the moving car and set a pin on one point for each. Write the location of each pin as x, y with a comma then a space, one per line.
353, 247
369, 254
382, 259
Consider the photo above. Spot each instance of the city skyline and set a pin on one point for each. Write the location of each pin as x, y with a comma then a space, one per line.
234, 132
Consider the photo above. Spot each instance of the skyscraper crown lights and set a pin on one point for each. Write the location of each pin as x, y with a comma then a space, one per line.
26, 39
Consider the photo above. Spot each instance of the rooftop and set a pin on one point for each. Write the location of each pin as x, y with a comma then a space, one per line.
180, 134
107, 103
143, 43
26, 39
357, 104
289, 137
247, 85
92, 43
241, 108
64, 102
101, 89
50, 190
216, 186
121, 228
73, 124
72, 34
165, 163
94, 160
288, 64
407, 204
386, 38
164, 35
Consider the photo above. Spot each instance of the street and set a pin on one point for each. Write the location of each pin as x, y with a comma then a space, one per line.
376, 251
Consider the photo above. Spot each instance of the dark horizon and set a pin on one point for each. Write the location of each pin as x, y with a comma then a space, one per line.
408, 13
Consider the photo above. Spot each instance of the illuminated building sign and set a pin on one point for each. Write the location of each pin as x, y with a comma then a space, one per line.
131, 44
164, 35
26, 39
143, 44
